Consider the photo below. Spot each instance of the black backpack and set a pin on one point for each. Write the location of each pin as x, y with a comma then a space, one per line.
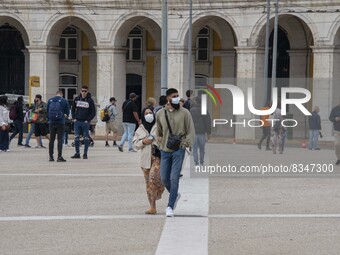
13, 113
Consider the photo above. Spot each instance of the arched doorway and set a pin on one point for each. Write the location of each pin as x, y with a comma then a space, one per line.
77, 60
214, 62
12, 61
294, 65
282, 62
141, 37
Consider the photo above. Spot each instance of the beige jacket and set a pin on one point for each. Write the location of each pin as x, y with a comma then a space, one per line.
140, 134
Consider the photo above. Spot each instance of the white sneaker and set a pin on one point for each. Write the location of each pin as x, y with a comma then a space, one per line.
177, 198
169, 212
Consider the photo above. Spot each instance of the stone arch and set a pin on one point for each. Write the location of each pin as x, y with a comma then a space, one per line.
14, 40
334, 32
216, 20
19, 24
55, 27
301, 31
120, 31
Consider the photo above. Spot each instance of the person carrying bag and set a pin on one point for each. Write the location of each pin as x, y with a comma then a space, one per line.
174, 141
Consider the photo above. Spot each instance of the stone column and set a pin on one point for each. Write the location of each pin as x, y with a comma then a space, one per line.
93, 70
227, 76
111, 80
156, 55
177, 70
44, 62
27, 71
250, 63
299, 77
324, 88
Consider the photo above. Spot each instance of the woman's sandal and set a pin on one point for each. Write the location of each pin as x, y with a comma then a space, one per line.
151, 211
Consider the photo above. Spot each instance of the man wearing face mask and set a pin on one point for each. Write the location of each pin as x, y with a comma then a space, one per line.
173, 120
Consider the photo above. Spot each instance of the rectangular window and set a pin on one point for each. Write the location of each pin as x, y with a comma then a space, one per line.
135, 49
202, 48
69, 48
62, 43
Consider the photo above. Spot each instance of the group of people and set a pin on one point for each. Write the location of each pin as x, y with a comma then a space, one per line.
164, 133
15, 113
275, 135
48, 120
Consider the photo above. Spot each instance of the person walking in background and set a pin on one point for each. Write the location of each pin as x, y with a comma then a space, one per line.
181, 102
175, 132
32, 128
145, 140
161, 103
202, 125
278, 132
314, 122
57, 108
68, 122
151, 103
4, 125
111, 125
130, 117
83, 111
188, 103
40, 127
335, 118
18, 120
265, 128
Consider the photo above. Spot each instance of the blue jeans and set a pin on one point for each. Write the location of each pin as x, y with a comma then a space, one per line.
81, 128
199, 144
19, 127
129, 129
313, 139
65, 137
30, 133
171, 166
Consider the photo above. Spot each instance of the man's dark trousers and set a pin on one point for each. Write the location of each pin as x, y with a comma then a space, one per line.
56, 129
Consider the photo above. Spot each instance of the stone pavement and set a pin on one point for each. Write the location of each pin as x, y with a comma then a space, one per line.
96, 206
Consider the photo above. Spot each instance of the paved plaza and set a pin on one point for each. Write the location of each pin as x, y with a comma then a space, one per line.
96, 206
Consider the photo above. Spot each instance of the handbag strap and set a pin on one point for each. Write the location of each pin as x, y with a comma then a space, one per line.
167, 121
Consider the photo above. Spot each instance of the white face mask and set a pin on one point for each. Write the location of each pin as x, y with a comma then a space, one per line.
149, 118
175, 100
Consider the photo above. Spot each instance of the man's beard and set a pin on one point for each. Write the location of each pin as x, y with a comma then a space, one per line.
175, 106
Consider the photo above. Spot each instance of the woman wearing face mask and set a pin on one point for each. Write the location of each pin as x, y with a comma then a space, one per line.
145, 140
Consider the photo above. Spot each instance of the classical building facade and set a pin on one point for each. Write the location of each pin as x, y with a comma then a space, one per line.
114, 47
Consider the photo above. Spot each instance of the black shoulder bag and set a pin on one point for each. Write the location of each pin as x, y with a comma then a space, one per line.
174, 141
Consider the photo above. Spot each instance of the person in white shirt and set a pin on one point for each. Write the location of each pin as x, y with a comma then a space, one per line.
111, 125
4, 125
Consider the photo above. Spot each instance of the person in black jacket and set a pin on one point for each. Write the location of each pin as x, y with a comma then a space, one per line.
19, 121
83, 111
188, 103
202, 125
314, 129
335, 118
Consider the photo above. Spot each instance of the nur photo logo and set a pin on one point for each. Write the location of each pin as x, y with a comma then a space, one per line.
239, 104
